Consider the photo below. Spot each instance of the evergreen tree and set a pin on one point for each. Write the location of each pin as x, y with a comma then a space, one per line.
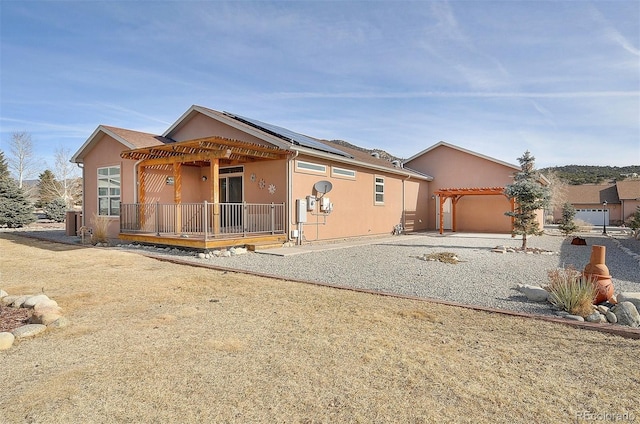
48, 188
634, 223
15, 209
530, 197
56, 210
4, 167
567, 226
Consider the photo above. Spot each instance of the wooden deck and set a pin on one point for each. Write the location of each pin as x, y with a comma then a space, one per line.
198, 242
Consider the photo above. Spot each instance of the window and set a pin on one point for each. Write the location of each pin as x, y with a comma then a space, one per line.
109, 191
342, 173
311, 167
379, 191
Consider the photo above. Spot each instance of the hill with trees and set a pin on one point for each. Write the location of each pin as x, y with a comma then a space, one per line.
586, 174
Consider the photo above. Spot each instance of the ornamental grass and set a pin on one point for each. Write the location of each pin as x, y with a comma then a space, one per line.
571, 291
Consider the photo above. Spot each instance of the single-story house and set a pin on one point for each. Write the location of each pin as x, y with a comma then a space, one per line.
622, 198
217, 179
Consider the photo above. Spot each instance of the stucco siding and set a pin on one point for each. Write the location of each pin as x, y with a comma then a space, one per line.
201, 126
105, 153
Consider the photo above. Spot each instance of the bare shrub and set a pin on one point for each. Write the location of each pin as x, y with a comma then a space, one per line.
571, 291
583, 226
100, 229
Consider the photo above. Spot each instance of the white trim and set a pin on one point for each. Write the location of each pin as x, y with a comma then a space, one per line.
310, 167
337, 172
376, 184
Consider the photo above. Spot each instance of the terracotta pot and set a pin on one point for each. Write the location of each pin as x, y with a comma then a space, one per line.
597, 270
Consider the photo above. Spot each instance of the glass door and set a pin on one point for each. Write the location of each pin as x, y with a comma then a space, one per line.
231, 208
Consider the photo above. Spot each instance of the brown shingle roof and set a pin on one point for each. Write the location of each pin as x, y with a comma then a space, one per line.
592, 194
139, 139
628, 189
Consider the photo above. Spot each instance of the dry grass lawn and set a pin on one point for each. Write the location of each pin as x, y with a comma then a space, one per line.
151, 341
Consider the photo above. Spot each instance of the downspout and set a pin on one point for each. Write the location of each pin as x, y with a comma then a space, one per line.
404, 207
290, 222
81, 166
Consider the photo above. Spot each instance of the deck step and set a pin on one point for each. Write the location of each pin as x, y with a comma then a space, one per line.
260, 246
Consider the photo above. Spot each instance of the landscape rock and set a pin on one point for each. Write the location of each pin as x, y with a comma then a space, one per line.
47, 304
33, 300
59, 323
627, 314
44, 317
3, 294
633, 297
28, 330
201, 255
8, 300
611, 317
533, 293
17, 303
574, 317
602, 309
594, 317
6, 340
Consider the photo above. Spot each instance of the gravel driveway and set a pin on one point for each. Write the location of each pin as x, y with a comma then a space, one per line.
393, 265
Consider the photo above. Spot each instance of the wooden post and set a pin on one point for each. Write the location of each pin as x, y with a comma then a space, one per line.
215, 194
177, 195
142, 188
441, 213
454, 203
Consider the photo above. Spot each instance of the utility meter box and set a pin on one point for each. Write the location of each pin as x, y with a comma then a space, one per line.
326, 205
301, 210
311, 203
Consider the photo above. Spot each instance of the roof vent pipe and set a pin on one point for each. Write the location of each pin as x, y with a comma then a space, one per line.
375, 155
396, 163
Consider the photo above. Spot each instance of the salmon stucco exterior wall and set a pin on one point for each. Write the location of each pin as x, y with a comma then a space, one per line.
453, 167
106, 153
355, 210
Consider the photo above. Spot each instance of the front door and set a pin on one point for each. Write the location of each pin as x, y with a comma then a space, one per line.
231, 211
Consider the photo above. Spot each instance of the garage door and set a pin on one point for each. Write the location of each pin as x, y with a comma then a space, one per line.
593, 216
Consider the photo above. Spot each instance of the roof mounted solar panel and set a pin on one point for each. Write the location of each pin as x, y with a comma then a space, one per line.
288, 135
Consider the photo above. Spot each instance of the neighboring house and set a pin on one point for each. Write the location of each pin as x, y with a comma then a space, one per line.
467, 189
622, 199
219, 179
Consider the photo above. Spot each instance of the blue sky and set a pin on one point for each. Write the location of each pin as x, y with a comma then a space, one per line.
558, 78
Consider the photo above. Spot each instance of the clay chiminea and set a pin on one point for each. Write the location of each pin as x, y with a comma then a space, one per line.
598, 271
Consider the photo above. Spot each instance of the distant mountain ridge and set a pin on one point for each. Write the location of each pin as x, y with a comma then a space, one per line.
587, 174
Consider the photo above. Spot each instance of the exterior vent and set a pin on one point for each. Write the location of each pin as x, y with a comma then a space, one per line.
396, 163
375, 155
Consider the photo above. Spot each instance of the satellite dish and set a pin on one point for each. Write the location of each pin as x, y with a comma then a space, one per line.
323, 187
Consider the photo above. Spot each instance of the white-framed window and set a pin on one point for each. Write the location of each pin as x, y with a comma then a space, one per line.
379, 190
109, 191
343, 173
315, 168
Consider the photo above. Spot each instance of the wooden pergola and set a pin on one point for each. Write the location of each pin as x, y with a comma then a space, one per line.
456, 194
199, 152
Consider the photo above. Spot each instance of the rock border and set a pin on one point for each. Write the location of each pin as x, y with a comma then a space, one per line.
46, 314
623, 312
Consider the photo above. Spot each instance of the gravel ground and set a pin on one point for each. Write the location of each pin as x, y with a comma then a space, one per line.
392, 265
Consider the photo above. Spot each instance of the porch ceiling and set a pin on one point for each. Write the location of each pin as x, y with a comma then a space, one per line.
203, 150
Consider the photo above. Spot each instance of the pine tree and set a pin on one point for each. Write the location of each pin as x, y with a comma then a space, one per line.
4, 167
15, 209
567, 226
48, 188
530, 197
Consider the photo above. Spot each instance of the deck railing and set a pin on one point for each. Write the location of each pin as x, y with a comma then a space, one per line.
205, 219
